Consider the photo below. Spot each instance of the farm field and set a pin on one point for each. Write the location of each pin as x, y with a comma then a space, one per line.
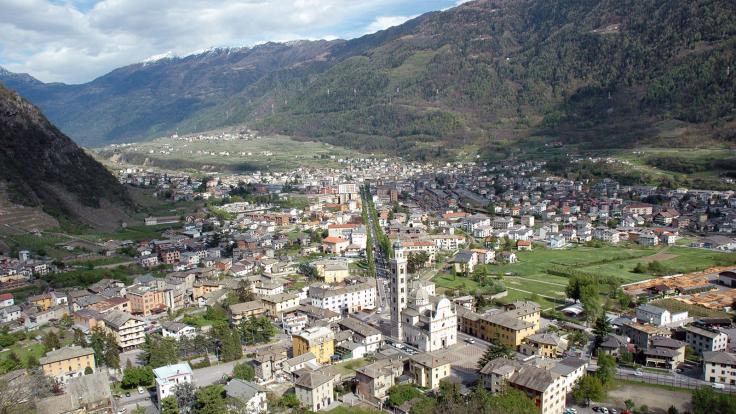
528, 279
275, 152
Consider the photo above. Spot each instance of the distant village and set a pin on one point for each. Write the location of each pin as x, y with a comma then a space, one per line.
339, 263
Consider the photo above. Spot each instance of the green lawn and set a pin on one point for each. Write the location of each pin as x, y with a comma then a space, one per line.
353, 410
528, 279
24, 352
349, 367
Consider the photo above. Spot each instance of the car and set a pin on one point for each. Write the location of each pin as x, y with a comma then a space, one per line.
140, 390
638, 373
127, 393
604, 410
596, 408
470, 340
718, 386
612, 411
399, 346
122, 411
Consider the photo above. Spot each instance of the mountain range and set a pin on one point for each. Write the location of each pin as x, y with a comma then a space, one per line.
594, 73
41, 167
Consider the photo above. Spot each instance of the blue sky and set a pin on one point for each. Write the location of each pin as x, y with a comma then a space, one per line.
75, 41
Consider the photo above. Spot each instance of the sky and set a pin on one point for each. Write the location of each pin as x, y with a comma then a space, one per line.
75, 41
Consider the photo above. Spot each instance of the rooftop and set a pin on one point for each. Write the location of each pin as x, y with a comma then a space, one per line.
65, 353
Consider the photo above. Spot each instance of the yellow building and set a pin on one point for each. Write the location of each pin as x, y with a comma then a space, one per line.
429, 369
68, 362
509, 326
318, 340
43, 301
276, 305
332, 271
246, 310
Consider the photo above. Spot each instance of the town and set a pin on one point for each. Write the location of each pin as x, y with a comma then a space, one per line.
376, 284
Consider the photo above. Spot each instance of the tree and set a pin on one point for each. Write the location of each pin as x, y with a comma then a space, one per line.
449, 392
606, 368
245, 291
577, 339
210, 400
158, 351
672, 410
169, 405
244, 371
137, 376
588, 389
228, 341
88, 370
399, 394
51, 341
79, 338
629, 405
106, 348
185, 397
289, 400
494, 350
257, 330
590, 299
416, 261
707, 401
601, 329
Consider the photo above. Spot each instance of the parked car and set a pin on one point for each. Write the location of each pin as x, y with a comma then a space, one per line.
140, 390
470, 340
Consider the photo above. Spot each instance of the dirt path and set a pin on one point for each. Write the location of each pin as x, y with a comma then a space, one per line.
657, 399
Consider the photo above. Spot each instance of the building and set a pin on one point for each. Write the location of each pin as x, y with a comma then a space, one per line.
169, 376
252, 396
641, 335
277, 305
332, 271
399, 289
250, 309
546, 382
146, 301
86, 394
68, 362
509, 326
428, 370
374, 380
314, 390
429, 322
362, 333
705, 340
719, 367
177, 330
654, 315
547, 345
351, 298
319, 340
129, 330
335, 245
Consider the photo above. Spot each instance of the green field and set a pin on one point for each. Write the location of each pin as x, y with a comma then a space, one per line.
528, 279
270, 152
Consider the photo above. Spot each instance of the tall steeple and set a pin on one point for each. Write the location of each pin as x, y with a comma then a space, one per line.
399, 289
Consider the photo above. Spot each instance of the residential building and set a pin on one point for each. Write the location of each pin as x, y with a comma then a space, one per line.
251, 396
239, 311
319, 340
428, 370
332, 271
67, 362
129, 330
508, 326
362, 333
374, 380
277, 305
657, 316
719, 367
314, 390
351, 298
146, 301
705, 340
177, 330
169, 376
547, 345
86, 394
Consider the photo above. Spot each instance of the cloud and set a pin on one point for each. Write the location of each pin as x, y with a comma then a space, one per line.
384, 22
77, 40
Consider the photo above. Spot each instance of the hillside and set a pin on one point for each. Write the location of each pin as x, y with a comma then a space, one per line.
593, 73
41, 167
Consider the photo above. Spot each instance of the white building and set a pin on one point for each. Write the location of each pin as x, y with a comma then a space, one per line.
314, 390
252, 396
657, 316
170, 376
177, 330
719, 367
350, 298
705, 340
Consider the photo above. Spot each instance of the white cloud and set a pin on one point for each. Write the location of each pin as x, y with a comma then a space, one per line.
384, 22
77, 40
